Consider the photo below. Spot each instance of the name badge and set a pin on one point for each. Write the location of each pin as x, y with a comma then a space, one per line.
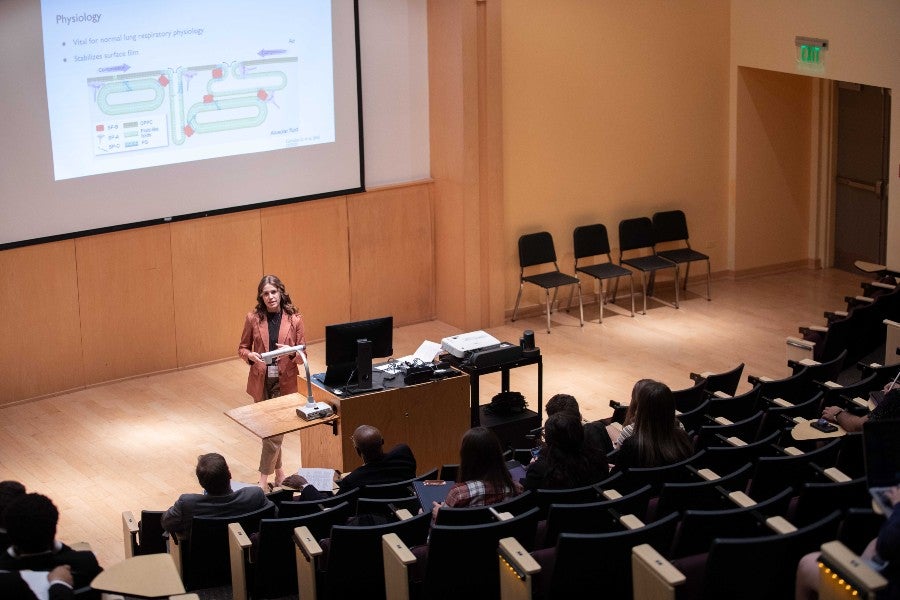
272, 371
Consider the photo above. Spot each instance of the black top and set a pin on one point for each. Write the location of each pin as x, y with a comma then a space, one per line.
274, 320
84, 563
397, 465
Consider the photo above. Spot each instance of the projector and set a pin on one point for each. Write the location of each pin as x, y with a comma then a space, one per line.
314, 410
464, 343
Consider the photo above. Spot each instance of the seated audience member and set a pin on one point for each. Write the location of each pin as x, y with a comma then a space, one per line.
595, 434
882, 554
888, 408
31, 521
656, 436
58, 585
9, 491
398, 464
565, 459
218, 501
483, 477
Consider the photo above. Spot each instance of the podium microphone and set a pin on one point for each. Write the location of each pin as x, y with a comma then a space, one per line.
312, 409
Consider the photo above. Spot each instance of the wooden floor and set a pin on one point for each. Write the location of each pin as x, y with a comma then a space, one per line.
133, 444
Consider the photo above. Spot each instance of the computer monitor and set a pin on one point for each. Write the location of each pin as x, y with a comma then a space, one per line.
350, 348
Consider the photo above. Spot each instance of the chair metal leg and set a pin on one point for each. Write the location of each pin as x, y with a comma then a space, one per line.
601, 300
548, 310
580, 306
644, 287
518, 297
708, 292
632, 292
676, 286
687, 273
555, 294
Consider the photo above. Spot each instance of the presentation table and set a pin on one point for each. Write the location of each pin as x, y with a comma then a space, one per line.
430, 417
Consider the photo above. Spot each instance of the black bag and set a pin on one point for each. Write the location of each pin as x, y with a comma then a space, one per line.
506, 403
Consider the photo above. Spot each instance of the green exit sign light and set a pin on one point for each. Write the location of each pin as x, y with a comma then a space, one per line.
810, 51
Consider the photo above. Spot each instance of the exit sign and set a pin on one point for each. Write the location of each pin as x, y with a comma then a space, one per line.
810, 51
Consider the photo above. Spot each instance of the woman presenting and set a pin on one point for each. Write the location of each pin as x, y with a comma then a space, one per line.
274, 323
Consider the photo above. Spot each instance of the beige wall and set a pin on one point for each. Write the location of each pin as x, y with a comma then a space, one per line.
773, 164
613, 110
147, 300
864, 48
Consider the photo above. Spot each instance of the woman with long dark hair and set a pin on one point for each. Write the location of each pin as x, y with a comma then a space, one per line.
657, 437
273, 323
565, 460
483, 477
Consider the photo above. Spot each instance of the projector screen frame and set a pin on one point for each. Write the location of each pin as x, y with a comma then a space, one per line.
276, 201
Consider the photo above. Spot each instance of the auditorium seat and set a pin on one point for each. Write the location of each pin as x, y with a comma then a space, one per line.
459, 561
726, 381
296, 508
353, 566
270, 569
145, 536
203, 559
592, 517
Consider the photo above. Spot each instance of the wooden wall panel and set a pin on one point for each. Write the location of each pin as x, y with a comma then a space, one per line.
305, 245
216, 266
125, 295
392, 254
39, 298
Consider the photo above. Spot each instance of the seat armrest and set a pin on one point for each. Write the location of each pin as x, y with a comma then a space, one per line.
819, 328
741, 499
653, 577
174, 550
836, 475
239, 552
631, 522
397, 558
307, 552
610, 494
780, 525
517, 568
129, 533
721, 394
837, 558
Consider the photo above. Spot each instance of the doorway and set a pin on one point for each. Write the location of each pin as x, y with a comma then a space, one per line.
861, 174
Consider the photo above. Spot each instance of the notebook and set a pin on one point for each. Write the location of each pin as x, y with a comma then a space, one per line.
881, 450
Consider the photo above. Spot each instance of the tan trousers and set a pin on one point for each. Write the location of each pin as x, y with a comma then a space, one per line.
270, 457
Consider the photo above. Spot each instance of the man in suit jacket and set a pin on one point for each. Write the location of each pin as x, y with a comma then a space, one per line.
218, 501
31, 524
378, 466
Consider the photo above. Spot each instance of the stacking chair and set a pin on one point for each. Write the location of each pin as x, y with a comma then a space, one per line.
145, 536
671, 226
593, 241
726, 382
203, 559
536, 249
636, 235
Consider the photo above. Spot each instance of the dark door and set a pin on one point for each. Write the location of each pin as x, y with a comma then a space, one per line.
860, 223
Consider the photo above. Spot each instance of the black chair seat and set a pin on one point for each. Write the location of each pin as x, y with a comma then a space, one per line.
604, 271
648, 263
551, 279
682, 255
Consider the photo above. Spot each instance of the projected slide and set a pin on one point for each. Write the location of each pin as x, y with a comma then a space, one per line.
142, 84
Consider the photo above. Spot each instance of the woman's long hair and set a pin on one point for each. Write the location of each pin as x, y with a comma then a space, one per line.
481, 457
659, 438
570, 463
636, 392
286, 304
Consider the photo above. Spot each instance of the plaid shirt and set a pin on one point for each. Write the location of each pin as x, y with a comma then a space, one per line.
479, 493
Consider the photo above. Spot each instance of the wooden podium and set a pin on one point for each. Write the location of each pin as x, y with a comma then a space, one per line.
431, 417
